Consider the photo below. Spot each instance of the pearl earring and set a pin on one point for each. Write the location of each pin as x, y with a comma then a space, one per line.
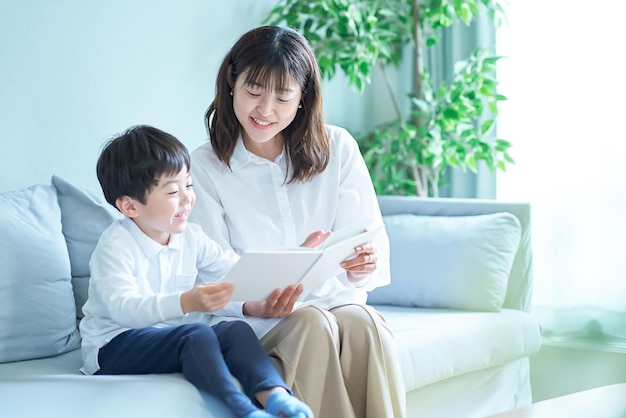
299, 106
231, 92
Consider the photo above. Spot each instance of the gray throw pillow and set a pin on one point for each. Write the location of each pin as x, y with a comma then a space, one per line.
37, 312
455, 262
85, 215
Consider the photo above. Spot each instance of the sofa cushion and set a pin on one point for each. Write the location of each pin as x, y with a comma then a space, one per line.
437, 344
456, 262
85, 214
53, 387
37, 313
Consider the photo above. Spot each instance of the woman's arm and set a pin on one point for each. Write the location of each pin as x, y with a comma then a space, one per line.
358, 203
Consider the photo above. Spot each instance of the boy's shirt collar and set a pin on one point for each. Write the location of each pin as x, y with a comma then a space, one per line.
148, 246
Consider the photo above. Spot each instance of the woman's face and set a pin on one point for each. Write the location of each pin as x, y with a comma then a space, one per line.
264, 113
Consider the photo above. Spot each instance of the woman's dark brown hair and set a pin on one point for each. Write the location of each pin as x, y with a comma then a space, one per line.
270, 56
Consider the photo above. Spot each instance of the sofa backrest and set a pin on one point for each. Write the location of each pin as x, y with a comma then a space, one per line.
519, 288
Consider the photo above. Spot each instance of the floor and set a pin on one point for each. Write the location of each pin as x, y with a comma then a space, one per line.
560, 370
607, 401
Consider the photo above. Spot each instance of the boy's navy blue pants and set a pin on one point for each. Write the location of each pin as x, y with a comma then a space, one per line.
205, 355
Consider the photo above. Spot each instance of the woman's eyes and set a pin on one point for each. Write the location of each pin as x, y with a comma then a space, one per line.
280, 99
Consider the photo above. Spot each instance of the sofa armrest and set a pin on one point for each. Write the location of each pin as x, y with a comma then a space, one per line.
519, 288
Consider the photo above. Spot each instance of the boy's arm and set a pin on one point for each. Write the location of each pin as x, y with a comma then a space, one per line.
120, 291
213, 263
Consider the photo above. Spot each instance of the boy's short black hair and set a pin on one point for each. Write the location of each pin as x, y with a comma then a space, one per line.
131, 162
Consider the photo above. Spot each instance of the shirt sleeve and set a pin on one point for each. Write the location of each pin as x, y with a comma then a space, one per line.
358, 203
207, 212
213, 264
115, 285
212, 261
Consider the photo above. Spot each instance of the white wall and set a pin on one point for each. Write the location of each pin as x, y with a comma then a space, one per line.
75, 72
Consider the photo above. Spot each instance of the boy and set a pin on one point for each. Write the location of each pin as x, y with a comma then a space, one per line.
141, 290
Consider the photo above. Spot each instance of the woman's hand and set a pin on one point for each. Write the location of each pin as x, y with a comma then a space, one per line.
316, 238
277, 305
363, 264
206, 297
280, 303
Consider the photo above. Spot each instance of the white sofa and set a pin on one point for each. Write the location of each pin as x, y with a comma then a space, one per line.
461, 287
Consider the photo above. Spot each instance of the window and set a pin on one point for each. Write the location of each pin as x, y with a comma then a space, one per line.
566, 84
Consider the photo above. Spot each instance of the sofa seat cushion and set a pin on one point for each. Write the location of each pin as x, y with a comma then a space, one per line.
53, 387
68, 363
436, 344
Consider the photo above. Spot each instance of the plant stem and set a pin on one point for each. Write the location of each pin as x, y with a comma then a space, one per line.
417, 51
392, 94
435, 183
419, 173
421, 180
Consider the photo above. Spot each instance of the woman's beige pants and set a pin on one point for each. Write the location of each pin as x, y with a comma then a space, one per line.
341, 362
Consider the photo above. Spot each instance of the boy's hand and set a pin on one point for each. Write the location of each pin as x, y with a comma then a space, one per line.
206, 297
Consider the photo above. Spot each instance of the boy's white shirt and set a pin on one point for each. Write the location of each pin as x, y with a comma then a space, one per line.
136, 282
251, 206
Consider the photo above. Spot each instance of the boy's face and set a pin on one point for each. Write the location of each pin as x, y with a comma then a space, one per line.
167, 207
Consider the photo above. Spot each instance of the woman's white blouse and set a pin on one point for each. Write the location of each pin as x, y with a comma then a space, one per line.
250, 205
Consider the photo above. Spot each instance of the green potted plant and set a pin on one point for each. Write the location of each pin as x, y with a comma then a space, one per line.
448, 126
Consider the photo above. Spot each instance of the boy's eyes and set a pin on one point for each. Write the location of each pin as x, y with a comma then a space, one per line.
187, 187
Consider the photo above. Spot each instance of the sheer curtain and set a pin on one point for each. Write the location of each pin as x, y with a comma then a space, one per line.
565, 78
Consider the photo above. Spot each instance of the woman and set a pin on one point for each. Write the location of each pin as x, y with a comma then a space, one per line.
274, 175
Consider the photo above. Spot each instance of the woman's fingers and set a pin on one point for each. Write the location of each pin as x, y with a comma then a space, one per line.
280, 303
